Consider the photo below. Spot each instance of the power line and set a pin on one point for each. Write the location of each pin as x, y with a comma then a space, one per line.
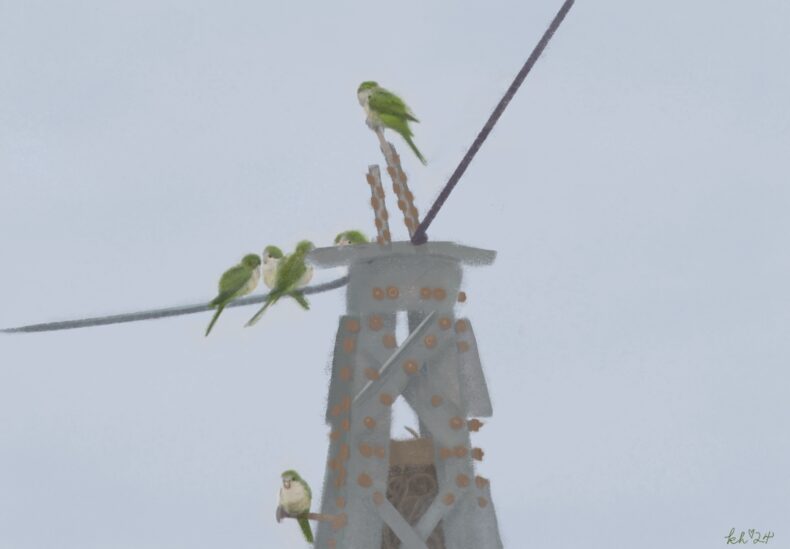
420, 236
161, 313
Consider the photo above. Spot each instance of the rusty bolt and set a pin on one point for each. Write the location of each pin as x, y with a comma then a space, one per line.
345, 373
461, 326
481, 482
448, 499
371, 374
378, 293
349, 344
462, 481
439, 294
461, 297
389, 341
345, 424
410, 367
386, 399
375, 323
392, 292
445, 453
430, 341
345, 404
352, 325
477, 453
456, 422
460, 451
365, 450
444, 323
474, 425
335, 410
436, 401
482, 502
463, 346
370, 423
425, 293
364, 480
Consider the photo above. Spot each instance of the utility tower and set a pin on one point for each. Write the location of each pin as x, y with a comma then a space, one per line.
415, 494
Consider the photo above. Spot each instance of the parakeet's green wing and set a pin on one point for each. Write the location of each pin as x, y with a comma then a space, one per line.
289, 273
385, 102
231, 283
402, 127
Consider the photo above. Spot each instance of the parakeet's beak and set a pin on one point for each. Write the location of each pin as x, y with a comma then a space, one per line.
286, 484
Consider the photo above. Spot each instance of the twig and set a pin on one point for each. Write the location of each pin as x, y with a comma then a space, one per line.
379, 205
399, 183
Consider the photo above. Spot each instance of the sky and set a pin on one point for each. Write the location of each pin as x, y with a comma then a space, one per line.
633, 328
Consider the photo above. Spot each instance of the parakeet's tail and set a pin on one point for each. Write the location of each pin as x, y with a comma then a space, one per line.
304, 524
414, 148
301, 300
214, 319
270, 301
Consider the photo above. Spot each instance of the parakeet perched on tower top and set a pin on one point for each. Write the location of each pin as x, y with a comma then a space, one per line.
386, 110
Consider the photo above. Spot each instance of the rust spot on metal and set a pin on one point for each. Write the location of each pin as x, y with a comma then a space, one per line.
339, 522
456, 422
425, 293
392, 292
477, 453
386, 399
474, 425
378, 293
460, 451
343, 453
371, 374
482, 502
430, 341
345, 404
389, 341
370, 423
461, 297
345, 424
439, 294
481, 482
462, 481
448, 499
375, 323
436, 400
345, 373
352, 325
445, 453
335, 410
410, 367
461, 326
365, 450
445, 323
463, 346
364, 480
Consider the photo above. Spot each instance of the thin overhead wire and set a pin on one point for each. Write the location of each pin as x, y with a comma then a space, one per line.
420, 235
161, 313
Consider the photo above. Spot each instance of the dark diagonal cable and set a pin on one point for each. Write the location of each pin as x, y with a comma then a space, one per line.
161, 313
420, 236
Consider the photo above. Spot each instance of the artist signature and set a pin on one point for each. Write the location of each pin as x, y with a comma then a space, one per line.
748, 536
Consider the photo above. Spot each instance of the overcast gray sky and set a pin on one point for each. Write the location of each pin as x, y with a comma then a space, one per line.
634, 328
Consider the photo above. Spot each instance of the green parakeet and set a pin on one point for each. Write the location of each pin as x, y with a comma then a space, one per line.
292, 274
236, 282
349, 238
384, 109
295, 500
271, 260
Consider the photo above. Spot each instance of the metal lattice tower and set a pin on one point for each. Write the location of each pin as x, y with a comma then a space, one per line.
436, 369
